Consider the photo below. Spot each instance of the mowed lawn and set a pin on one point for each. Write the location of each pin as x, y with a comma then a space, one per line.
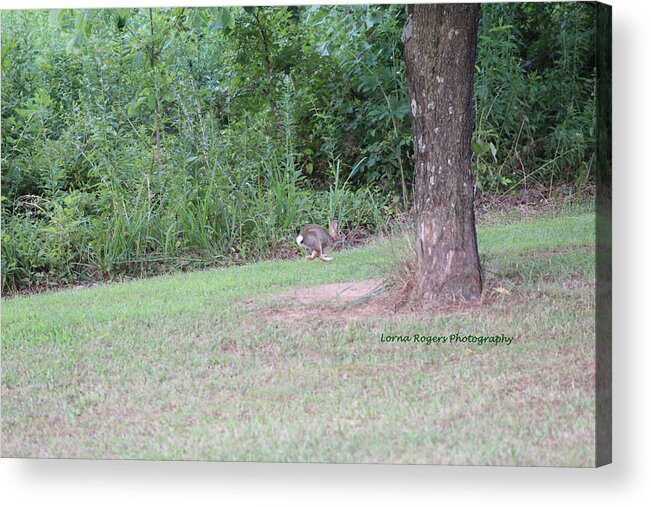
188, 367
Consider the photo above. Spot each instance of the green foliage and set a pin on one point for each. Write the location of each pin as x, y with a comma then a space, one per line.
535, 95
52, 237
136, 140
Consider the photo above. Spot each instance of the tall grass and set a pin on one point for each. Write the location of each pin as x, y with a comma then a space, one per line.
232, 209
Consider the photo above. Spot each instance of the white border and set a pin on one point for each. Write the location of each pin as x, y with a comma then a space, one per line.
626, 482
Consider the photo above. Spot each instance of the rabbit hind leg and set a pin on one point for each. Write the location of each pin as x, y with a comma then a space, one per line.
316, 252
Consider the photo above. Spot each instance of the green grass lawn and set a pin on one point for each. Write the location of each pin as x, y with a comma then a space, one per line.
185, 366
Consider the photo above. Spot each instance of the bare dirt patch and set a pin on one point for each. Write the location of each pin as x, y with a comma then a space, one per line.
338, 293
350, 301
347, 301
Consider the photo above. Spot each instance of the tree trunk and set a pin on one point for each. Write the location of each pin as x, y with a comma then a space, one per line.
440, 42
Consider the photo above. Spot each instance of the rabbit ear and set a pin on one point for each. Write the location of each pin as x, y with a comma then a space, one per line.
333, 232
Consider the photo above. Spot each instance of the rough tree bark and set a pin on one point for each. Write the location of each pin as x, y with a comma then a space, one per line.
439, 47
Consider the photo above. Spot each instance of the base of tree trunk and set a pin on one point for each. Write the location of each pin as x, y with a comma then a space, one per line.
440, 42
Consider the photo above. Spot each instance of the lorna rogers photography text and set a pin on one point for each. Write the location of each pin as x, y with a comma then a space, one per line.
448, 339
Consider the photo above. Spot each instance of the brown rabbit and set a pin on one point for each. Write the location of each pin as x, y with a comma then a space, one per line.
317, 239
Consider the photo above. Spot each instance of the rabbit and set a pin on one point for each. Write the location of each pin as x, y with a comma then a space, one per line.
317, 239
